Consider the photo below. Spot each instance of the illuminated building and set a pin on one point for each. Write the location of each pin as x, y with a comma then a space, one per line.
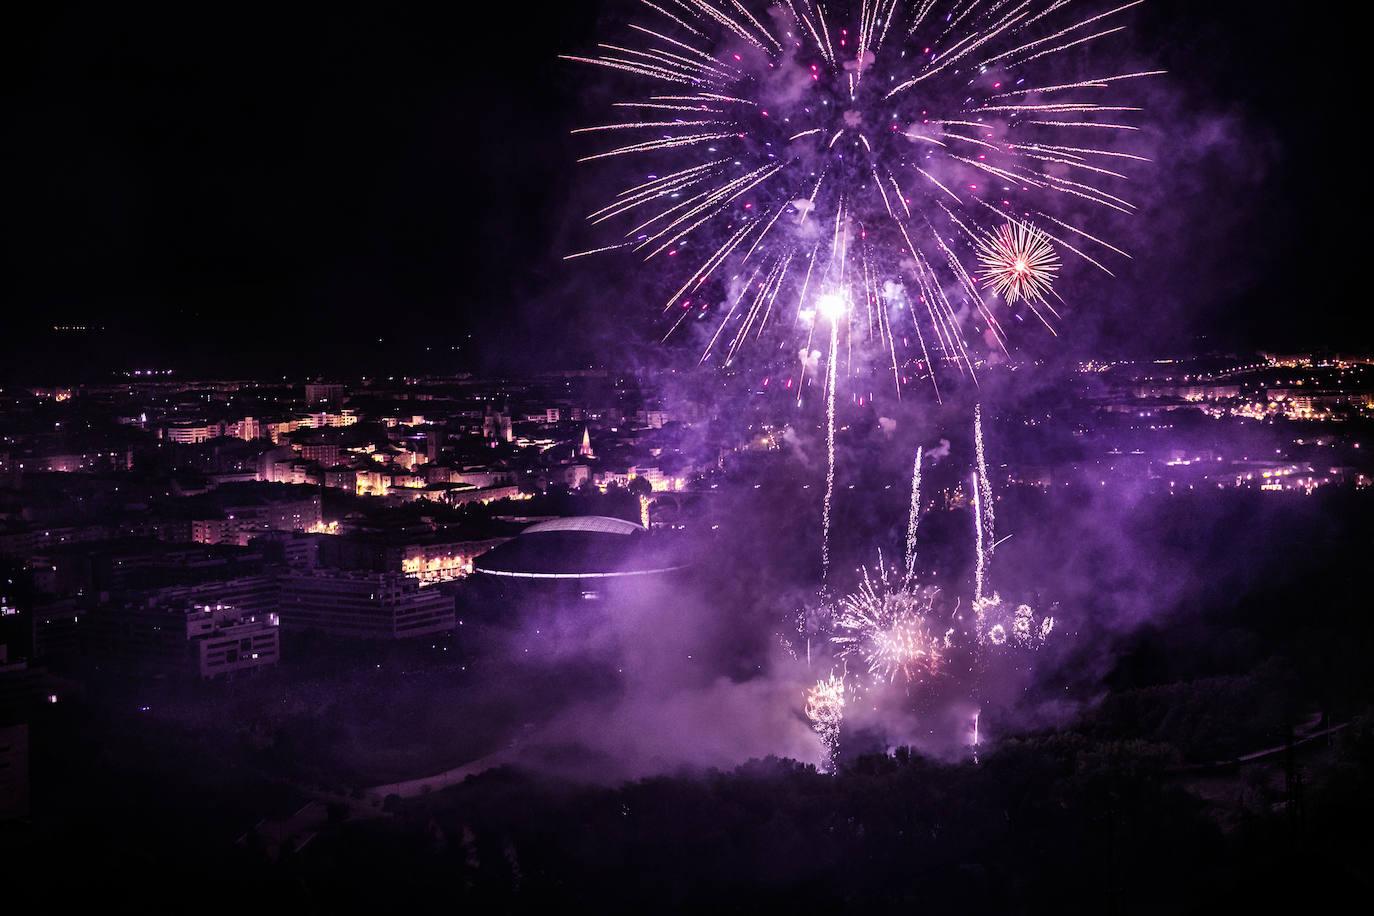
605, 478
227, 530
245, 519
481, 477
409, 479
192, 433
319, 392
343, 418
444, 561
341, 478
460, 495
292, 471
167, 636
571, 476
325, 453
363, 605
426, 555
657, 479
84, 462
275, 429
247, 429
496, 426
372, 481
255, 595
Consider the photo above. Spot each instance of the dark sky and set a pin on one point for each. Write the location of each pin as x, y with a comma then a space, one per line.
282, 185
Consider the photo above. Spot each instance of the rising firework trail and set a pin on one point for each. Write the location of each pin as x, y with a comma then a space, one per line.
987, 518
976, 714
933, 159
980, 557
913, 517
833, 307
984, 517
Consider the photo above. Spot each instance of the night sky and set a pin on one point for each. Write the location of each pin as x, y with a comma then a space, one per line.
255, 186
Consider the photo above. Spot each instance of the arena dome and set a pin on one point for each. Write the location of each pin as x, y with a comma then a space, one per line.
582, 547
598, 523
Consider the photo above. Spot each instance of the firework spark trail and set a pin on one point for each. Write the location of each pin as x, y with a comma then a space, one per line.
942, 129
980, 558
829, 444
913, 517
976, 714
989, 517
825, 710
984, 516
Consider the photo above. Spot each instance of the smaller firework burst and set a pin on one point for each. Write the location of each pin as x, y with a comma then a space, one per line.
998, 625
889, 624
825, 709
1018, 261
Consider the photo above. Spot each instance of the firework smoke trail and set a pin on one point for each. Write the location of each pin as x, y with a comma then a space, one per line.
825, 710
944, 131
913, 517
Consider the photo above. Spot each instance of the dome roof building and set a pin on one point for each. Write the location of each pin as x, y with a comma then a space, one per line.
588, 547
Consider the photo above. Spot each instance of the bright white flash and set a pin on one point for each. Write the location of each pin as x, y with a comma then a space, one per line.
830, 305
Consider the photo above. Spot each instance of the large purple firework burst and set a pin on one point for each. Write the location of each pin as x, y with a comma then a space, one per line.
859, 155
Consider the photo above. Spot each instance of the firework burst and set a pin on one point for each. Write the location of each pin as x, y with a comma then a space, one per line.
998, 624
891, 626
825, 710
1018, 263
798, 153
